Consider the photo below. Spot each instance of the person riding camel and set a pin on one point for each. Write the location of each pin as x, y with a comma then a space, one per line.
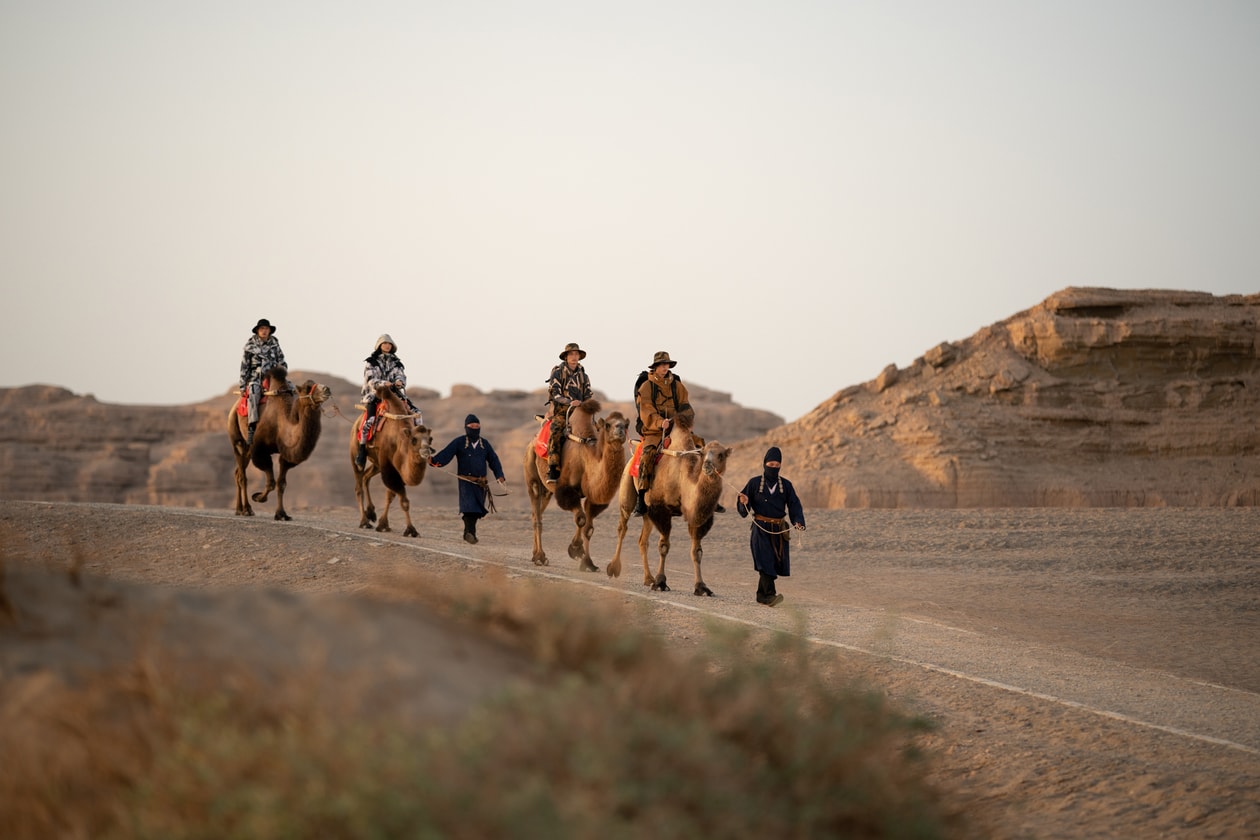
662, 399
262, 353
568, 385
380, 370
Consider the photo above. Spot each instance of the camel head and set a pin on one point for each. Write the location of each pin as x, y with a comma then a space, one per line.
714, 459
316, 392
614, 426
420, 441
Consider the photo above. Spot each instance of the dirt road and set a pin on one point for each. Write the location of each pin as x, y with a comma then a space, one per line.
1094, 673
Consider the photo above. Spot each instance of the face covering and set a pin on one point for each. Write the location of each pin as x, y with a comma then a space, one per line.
771, 475
472, 434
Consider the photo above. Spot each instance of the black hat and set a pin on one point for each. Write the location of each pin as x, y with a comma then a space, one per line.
263, 322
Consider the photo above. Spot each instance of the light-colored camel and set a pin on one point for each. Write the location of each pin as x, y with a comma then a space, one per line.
400, 451
590, 470
687, 483
288, 426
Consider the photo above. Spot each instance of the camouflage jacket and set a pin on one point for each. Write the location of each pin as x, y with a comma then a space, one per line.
259, 357
382, 370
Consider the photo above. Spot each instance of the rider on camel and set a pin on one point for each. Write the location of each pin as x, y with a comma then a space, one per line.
568, 385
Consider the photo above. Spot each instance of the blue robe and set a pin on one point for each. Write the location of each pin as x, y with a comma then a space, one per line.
471, 459
771, 551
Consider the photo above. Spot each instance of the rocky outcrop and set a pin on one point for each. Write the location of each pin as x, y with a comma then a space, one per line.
59, 446
1095, 397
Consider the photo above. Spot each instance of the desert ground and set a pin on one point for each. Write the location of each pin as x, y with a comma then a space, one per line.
1092, 672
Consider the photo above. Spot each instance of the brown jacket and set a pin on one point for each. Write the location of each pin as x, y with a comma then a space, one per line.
661, 398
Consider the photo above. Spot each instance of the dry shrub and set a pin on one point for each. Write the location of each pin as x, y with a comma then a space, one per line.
743, 736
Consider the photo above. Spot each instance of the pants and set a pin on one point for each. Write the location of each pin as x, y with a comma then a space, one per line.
765, 588
253, 396
556, 443
470, 523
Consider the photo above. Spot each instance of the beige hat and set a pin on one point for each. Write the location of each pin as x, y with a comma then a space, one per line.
383, 339
569, 348
661, 357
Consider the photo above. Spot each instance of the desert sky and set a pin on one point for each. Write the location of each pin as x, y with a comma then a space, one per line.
787, 196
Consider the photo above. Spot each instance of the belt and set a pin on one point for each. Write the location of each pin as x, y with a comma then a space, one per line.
761, 518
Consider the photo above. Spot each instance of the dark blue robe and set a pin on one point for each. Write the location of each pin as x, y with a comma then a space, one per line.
770, 551
470, 460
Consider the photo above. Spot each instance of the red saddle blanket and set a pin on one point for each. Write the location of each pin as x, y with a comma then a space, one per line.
242, 405
638, 451
544, 437
371, 432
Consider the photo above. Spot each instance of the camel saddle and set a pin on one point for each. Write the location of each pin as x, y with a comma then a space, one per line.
638, 452
540, 442
380, 409
242, 405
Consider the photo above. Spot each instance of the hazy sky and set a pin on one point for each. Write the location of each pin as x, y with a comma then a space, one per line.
786, 196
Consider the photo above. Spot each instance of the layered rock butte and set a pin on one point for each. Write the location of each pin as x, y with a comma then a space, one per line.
1095, 397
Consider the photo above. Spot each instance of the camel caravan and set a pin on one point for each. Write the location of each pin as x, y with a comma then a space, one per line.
578, 457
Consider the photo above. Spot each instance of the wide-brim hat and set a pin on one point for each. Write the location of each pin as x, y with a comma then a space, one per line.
661, 357
263, 322
569, 348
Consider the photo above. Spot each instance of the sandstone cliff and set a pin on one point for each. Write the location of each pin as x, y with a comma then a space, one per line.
1095, 397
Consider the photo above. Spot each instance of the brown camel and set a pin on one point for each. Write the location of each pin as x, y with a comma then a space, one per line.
687, 483
400, 451
593, 456
288, 425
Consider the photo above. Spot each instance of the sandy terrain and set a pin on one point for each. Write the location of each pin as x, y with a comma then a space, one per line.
1094, 673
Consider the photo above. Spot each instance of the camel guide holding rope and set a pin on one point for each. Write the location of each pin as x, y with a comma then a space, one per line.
472, 454
382, 369
568, 385
662, 398
262, 353
776, 509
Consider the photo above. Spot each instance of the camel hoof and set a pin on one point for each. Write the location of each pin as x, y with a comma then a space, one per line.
576, 552
411, 531
588, 566
660, 586
258, 497
365, 524
613, 570
281, 516
383, 527
540, 560
701, 589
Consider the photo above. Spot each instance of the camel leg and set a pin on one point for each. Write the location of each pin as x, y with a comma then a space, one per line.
697, 552
579, 546
592, 511
644, 535
405, 504
242, 488
659, 585
282, 482
383, 524
539, 497
263, 463
625, 504
363, 494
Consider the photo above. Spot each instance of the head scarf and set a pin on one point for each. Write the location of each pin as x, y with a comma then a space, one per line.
472, 434
772, 474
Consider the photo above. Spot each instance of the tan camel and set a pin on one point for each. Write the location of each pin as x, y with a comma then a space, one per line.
687, 483
399, 451
288, 426
593, 456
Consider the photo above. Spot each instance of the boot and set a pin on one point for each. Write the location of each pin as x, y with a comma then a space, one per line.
249, 435
553, 472
470, 528
360, 458
640, 505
